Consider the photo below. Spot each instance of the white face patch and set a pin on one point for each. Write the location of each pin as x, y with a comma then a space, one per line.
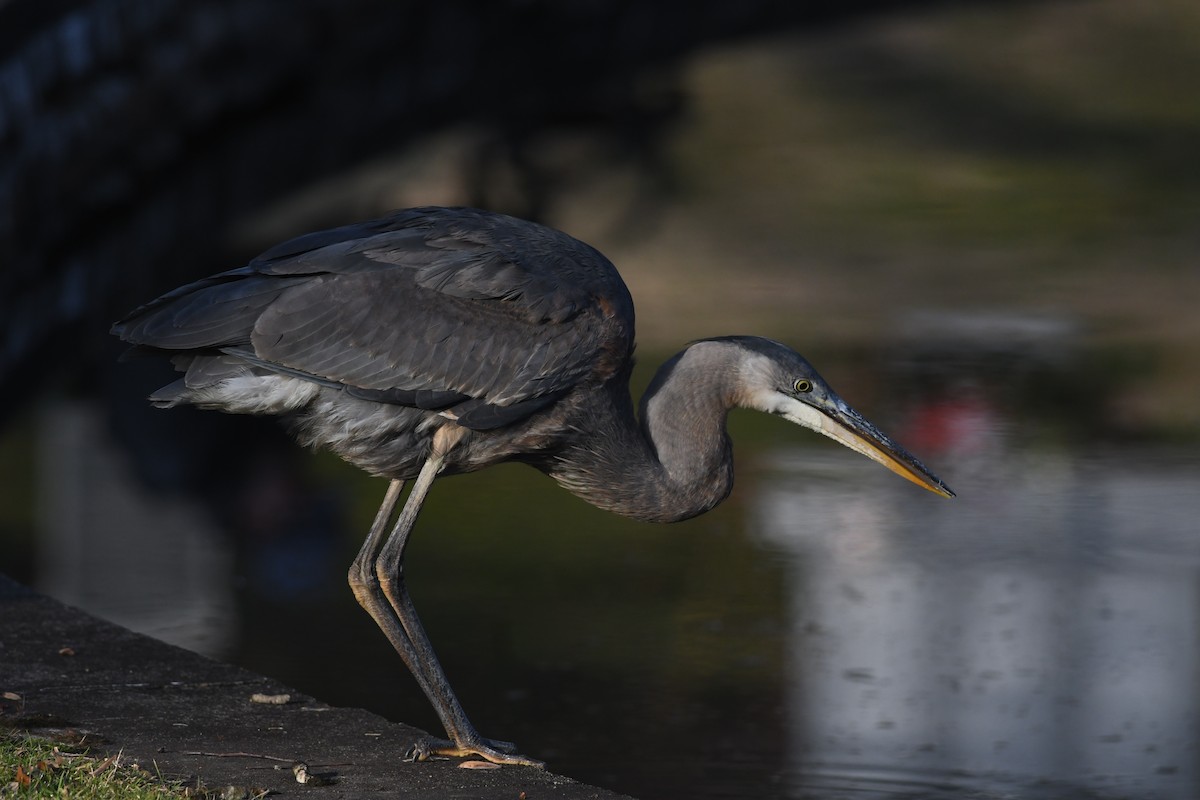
793, 410
755, 382
809, 417
800, 413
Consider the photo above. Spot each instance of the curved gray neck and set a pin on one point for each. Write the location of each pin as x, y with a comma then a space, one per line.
677, 462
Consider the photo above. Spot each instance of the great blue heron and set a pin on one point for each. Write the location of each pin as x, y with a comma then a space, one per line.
437, 341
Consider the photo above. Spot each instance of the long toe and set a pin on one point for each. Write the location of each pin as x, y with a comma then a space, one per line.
493, 751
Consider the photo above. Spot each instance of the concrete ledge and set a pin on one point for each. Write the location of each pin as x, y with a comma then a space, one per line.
163, 706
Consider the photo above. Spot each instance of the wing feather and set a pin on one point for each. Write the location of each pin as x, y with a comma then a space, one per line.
484, 315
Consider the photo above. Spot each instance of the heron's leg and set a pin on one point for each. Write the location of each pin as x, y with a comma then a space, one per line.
381, 592
416, 649
364, 582
362, 578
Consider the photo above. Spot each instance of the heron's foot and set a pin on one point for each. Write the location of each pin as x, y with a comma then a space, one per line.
488, 749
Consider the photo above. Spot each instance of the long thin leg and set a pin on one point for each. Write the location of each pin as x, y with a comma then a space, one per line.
377, 579
362, 570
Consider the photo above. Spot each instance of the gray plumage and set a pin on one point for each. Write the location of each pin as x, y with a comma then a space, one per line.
435, 341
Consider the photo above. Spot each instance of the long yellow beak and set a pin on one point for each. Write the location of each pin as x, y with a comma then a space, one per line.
847, 426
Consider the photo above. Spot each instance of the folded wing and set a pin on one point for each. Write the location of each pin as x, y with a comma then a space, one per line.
480, 315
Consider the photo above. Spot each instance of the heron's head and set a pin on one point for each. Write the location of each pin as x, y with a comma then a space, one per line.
777, 380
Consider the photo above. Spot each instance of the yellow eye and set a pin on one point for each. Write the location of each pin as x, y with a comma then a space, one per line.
802, 386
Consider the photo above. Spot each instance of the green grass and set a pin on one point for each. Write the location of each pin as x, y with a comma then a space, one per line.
32, 767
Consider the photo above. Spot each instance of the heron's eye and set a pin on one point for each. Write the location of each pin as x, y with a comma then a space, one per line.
802, 386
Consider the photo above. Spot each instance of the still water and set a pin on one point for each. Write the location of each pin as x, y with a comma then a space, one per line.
830, 632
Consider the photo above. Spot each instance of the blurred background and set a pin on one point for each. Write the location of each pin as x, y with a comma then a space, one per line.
979, 220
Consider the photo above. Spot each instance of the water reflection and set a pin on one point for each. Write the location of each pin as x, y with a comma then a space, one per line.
1043, 628
157, 564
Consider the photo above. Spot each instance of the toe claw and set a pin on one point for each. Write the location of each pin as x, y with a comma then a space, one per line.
420, 751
